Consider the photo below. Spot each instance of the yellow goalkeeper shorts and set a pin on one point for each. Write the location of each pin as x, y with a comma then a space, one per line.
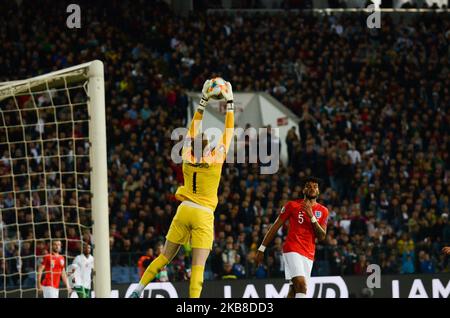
192, 222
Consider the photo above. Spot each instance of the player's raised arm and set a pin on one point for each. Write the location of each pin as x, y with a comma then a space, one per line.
227, 136
198, 116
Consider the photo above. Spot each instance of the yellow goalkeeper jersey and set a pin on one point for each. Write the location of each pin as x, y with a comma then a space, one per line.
201, 180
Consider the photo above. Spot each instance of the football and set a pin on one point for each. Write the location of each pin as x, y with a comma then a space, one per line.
218, 85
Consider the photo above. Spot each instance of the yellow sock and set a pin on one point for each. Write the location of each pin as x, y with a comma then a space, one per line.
196, 284
153, 269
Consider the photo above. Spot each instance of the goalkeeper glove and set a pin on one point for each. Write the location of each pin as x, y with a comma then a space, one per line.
205, 94
228, 95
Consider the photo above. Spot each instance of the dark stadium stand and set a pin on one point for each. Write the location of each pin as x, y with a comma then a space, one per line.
374, 109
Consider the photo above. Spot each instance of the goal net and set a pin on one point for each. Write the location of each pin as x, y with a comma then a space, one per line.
53, 175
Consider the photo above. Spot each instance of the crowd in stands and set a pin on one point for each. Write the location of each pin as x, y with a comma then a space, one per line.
374, 126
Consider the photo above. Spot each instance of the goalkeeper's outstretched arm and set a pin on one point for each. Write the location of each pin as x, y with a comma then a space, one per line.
196, 121
198, 116
227, 136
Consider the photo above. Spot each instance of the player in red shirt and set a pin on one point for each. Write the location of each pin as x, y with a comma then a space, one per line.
53, 266
307, 221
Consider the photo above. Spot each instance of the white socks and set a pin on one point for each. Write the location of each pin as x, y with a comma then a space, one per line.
300, 295
139, 289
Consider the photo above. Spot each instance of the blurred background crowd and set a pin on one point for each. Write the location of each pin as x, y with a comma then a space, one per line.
374, 126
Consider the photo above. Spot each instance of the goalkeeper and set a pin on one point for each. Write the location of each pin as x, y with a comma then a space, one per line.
194, 219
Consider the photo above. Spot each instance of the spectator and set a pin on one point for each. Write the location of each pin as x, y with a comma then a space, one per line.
425, 264
229, 253
238, 269
407, 263
405, 244
446, 230
145, 260
227, 272
360, 267
358, 223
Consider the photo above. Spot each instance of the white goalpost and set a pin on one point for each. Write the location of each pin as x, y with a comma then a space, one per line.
53, 175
